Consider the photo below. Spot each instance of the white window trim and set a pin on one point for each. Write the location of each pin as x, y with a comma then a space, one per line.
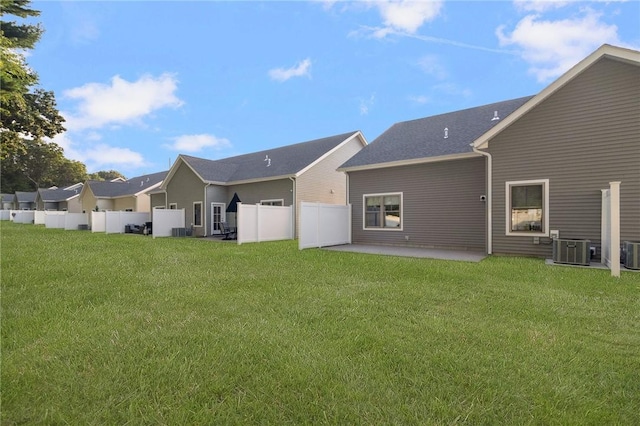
545, 207
364, 212
280, 200
173, 206
193, 214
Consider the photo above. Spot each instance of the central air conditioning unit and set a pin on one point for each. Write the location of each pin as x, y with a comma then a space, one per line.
178, 232
631, 254
572, 252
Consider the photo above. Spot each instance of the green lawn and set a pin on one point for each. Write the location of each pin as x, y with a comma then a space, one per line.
125, 329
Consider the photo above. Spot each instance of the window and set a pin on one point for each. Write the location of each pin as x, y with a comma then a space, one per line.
197, 213
383, 211
272, 202
527, 207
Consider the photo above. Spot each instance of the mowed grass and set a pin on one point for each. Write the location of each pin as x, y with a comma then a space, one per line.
125, 329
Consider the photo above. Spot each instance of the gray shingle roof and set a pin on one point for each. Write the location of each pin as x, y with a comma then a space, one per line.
283, 161
425, 137
57, 195
106, 189
26, 197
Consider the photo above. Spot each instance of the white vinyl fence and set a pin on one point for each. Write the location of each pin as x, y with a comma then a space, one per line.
74, 220
610, 229
98, 221
5, 215
324, 225
38, 218
116, 221
164, 220
23, 216
54, 220
264, 223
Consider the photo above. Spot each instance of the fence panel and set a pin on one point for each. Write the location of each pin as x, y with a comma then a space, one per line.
38, 218
98, 221
116, 221
73, 220
24, 216
5, 214
54, 220
264, 223
324, 225
164, 220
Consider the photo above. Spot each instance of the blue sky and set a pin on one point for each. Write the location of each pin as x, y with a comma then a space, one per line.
141, 82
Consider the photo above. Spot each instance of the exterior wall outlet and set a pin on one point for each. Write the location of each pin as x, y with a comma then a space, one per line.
554, 234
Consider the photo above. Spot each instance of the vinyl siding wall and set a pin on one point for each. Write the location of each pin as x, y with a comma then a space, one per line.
441, 204
184, 189
322, 183
581, 138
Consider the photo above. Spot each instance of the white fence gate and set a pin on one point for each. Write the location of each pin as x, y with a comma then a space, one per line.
54, 219
264, 223
116, 221
164, 220
610, 228
324, 225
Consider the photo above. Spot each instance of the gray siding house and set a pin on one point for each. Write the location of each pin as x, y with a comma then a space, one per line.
281, 176
24, 200
421, 184
131, 194
500, 177
62, 199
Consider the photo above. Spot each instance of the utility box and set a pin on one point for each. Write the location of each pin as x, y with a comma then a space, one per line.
178, 232
572, 252
631, 254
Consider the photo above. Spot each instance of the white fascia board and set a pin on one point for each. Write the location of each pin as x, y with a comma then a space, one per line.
359, 134
411, 162
149, 188
606, 50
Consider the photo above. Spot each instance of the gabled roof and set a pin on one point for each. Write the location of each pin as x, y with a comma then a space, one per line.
605, 51
7, 198
440, 137
26, 197
130, 187
276, 163
58, 194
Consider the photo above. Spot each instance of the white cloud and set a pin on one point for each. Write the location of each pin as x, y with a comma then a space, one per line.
301, 69
407, 15
552, 47
121, 101
99, 156
539, 5
195, 143
431, 65
419, 99
366, 104
452, 90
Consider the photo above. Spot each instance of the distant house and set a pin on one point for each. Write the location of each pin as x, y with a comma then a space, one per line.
7, 201
282, 176
129, 195
62, 199
24, 200
500, 177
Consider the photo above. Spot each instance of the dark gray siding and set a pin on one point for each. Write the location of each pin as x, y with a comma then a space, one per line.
441, 204
581, 138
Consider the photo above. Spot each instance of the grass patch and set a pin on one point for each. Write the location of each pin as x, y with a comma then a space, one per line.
125, 329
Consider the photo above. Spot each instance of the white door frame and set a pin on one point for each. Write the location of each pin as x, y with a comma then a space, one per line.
223, 217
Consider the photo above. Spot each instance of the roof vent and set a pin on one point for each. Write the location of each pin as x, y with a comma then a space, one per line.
495, 116
268, 160
446, 132
141, 183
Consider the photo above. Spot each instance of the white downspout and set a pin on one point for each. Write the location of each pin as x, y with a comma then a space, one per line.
204, 210
295, 218
489, 198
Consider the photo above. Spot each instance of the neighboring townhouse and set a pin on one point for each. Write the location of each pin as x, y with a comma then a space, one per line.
282, 176
420, 183
7, 201
24, 200
127, 195
500, 177
61, 199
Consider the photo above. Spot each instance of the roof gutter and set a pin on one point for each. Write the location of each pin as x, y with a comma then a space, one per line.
489, 197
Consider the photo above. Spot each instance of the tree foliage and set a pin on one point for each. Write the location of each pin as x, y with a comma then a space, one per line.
28, 113
106, 175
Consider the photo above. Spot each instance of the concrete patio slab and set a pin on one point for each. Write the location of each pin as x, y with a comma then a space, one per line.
429, 253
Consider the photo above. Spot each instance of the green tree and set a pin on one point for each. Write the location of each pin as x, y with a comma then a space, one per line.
27, 113
106, 175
